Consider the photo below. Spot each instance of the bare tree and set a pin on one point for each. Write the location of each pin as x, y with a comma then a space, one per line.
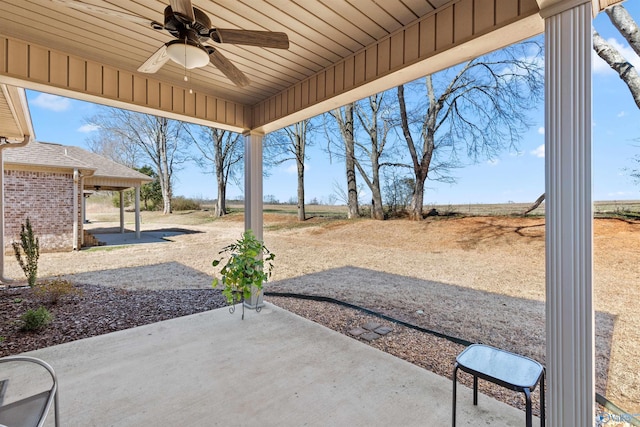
222, 150
160, 140
480, 110
116, 148
287, 144
345, 121
375, 119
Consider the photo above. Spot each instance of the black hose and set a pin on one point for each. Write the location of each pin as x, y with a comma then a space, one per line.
368, 311
621, 414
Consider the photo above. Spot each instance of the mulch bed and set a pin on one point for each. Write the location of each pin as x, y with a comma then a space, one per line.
94, 310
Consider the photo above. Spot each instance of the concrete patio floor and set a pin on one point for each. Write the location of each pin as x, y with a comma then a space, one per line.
272, 369
115, 238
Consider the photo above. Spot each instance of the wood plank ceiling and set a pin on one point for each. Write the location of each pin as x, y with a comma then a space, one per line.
379, 41
329, 40
321, 33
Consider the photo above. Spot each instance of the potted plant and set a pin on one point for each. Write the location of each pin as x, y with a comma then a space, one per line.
244, 270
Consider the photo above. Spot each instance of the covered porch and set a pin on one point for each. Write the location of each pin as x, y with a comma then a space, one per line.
339, 53
294, 372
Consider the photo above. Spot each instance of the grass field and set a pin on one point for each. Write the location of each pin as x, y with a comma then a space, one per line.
100, 205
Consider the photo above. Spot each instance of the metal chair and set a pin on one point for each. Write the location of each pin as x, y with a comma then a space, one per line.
32, 410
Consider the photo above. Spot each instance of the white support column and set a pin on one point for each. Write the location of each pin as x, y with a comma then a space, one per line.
5, 144
253, 194
137, 212
83, 207
77, 193
569, 216
121, 193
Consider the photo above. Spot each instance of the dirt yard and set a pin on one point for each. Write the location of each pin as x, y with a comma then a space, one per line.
477, 278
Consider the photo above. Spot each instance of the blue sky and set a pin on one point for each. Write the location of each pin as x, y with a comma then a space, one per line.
513, 176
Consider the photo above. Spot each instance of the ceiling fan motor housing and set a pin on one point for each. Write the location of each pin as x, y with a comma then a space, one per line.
179, 25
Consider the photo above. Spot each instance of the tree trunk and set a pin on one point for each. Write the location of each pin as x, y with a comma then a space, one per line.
344, 118
417, 201
301, 211
164, 172
219, 158
221, 204
626, 25
166, 198
535, 204
377, 210
353, 210
421, 164
300, 138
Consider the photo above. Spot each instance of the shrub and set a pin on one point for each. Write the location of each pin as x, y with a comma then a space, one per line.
30, 246
53, 290
35, 320
180, 203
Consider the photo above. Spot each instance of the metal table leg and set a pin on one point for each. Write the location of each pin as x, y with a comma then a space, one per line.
542, 410
475, 390
527, 396
455, 380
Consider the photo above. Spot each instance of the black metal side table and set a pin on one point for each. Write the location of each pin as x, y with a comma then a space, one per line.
501, 367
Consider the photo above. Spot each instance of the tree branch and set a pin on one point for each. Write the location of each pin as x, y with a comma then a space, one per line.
619, 64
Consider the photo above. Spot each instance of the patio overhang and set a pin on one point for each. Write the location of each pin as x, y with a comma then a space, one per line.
373, 57
343, 51
15, 119
445, 34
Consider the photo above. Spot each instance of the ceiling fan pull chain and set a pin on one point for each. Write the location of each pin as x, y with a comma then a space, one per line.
185, 67
185, 60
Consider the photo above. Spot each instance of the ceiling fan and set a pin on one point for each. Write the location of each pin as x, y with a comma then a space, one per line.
191, 28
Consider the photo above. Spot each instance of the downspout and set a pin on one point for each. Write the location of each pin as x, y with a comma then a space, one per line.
4, 143
76, 182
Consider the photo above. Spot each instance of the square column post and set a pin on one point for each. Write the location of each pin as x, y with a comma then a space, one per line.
569, 215
137, 212
253, 195
121, 194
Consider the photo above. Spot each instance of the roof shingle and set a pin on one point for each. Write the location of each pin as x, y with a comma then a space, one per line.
68, 157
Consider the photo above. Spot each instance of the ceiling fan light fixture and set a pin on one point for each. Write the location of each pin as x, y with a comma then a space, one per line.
188, 54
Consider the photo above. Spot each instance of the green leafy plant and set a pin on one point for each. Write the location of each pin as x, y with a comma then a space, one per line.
244, 269
29, 248
52, 291
35, 320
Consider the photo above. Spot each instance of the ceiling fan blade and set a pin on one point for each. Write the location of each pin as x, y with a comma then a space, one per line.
250, 37
184, 8
227, 68
86, 7
155, 61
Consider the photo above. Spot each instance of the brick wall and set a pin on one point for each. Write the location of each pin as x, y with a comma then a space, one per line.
47, 199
